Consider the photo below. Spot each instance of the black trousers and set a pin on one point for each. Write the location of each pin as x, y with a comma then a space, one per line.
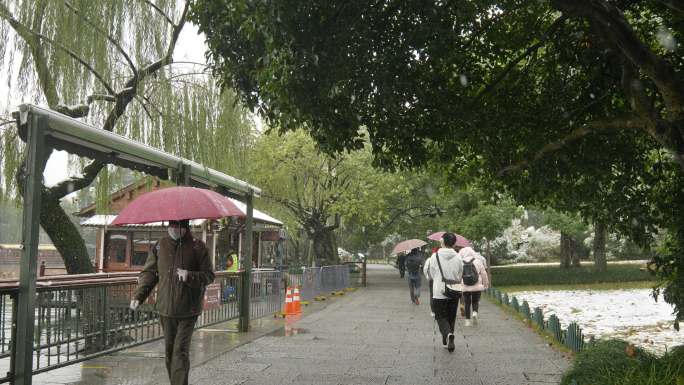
472, 302
177, 337
432, 300
445, 314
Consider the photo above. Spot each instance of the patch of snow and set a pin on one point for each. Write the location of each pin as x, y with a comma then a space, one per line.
632, 315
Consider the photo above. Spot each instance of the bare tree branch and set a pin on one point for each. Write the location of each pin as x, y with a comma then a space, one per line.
78, 59
70, 185
159, 10
122, 98
103, 97
6, 122
77, 111
620, 33
109, 37
633, 122
142, 104
509, 67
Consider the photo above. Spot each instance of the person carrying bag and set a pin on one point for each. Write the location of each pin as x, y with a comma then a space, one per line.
445, 269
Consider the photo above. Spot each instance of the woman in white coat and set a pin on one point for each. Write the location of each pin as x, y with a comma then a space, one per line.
472, 293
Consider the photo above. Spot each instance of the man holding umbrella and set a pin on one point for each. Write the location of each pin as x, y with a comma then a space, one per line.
180, 265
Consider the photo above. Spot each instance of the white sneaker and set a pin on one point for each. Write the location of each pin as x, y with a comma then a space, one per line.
468, 323
474, 317
432, 314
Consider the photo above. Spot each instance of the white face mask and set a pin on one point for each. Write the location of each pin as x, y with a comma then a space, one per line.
176, 232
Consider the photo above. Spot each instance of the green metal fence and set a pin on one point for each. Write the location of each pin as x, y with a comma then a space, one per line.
570, 337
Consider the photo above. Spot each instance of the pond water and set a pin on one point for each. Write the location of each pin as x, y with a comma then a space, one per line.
632, 315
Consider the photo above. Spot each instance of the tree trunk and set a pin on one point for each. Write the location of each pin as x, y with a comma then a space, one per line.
65, 236
564, 251
58, 226
574, 253
490, 258
600, 246
325, 247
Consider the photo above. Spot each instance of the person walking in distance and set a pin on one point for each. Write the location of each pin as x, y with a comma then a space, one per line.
445, 268
474, 281
414, 262
179, 264
401, 264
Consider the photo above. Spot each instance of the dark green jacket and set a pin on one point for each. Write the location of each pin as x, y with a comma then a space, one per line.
176, 298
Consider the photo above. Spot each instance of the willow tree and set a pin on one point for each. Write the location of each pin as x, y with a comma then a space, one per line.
110, 63
313, 188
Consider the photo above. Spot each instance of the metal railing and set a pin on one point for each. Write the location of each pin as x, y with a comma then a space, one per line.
316, 281
267, 294
82, 317
571, 337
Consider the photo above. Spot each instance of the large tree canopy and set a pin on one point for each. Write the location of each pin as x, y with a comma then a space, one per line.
576, 104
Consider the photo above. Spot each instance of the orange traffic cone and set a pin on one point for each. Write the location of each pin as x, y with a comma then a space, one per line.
296, 300
289, 305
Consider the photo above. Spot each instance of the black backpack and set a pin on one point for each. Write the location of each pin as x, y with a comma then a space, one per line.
470, 275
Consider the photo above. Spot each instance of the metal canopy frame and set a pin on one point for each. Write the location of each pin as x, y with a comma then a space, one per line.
76, 137
44, 129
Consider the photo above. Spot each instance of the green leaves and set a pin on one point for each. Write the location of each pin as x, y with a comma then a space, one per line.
556, 102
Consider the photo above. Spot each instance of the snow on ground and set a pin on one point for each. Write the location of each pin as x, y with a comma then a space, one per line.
632, 315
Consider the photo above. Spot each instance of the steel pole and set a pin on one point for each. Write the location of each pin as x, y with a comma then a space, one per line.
22, 369
245, 292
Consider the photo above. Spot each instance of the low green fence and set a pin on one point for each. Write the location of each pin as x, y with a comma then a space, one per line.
570, 337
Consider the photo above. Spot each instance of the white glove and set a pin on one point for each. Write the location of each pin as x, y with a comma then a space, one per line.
134, 304
182, 275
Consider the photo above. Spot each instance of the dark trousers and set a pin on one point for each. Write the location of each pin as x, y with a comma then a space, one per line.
471, 300
414, 286
445, 314
432, 300
177, 336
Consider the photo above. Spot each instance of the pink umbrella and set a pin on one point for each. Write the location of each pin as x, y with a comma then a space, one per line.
407, 245
175, 204
461, 241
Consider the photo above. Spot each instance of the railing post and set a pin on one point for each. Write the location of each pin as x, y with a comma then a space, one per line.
245, 291
23, 354
13, 337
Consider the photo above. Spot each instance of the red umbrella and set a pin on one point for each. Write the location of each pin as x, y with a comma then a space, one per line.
175, 204
407, 245
461, 241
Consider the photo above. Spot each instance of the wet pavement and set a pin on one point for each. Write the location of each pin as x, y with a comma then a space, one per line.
372, 336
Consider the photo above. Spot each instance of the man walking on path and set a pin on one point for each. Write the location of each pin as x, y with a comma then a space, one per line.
180, 265
414, 262
445, 264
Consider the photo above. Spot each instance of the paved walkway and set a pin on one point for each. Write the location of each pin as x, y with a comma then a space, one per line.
372, 336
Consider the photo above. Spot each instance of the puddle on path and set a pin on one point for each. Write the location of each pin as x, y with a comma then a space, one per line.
288, 331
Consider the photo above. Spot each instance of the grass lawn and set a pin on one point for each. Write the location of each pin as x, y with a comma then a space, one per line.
553, 277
